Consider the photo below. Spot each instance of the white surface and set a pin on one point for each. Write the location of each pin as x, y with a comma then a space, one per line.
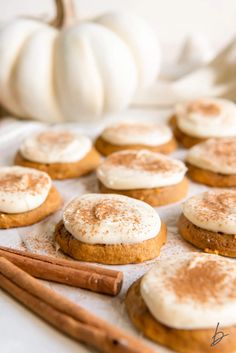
20, 331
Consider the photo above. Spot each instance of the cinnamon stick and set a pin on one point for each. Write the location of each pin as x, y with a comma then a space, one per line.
69, 272
65, 315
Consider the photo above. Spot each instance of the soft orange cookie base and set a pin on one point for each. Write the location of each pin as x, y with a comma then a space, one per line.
155, 196
184, 341
211, 242
62, 171
210, 178
112, 254
186, 140
51, 205
106, 148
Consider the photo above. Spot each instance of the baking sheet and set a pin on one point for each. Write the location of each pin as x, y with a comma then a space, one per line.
21, 330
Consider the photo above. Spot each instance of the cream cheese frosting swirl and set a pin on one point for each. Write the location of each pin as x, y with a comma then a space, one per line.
22, 189
136, 133
192, 291
207, 117
129, 169
216, 155
55, 146
213, 210
110, 219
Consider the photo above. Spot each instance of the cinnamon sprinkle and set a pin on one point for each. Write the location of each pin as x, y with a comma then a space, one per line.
203, 282
56, 137
142, 160
205, 108
215, 205
223, 149
133, 128
14, 182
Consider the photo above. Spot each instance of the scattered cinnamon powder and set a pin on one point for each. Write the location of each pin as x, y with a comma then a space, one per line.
205, 108
202, 282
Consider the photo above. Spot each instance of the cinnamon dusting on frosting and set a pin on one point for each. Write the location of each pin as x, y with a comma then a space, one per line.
133, 128
56, 137
143, 160
214, 205
110, 219
202, 281
19, 182
205, 108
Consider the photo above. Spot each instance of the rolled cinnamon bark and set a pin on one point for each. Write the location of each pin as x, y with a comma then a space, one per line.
69, 272
65, 315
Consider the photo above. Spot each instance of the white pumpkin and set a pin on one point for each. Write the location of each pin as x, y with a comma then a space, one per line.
78, 72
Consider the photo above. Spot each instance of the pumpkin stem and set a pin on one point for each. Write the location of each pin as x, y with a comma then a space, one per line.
65, 13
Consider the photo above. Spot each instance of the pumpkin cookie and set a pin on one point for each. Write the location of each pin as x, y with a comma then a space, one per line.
208, 222
180, 301
110, 229
213, 162
26, 197
145, 175
196, 121
135, 135
61, 154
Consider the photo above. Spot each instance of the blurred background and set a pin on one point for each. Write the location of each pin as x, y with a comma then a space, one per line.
172, 20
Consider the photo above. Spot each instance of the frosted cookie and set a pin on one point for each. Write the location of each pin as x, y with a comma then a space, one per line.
213, 162
180, 301
208, 221
136, 135
110, 229
148, 176
26, 196
62, 154
196, 121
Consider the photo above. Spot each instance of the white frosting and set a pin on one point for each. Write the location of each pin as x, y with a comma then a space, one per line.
131, 169
177, 301
136, 133
207, 118
216, 155
110, 219
214, 210
22, 189
55, 147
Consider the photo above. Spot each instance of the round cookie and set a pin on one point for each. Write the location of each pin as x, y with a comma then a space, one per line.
110, 229
208, 221
135, 135
144, 175
196, 121
180, 301
213, 162
26, 197
61, 154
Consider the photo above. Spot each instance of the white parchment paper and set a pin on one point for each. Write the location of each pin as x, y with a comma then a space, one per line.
19, 330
